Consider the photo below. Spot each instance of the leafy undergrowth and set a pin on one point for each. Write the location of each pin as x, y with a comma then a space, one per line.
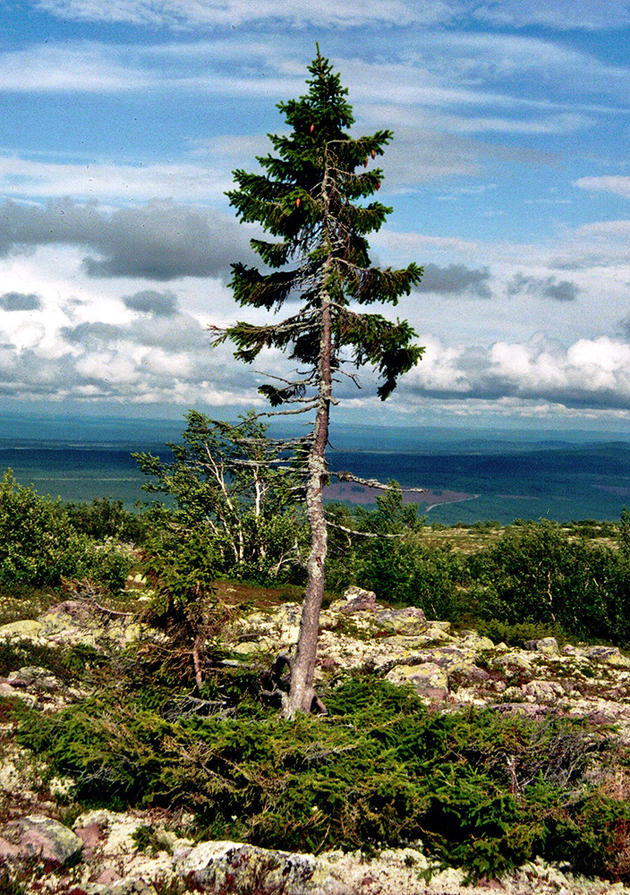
478, 789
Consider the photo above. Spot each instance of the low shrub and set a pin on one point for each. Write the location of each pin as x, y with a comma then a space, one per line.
535, 573
39, 545
519, 633
481, 790
104, 518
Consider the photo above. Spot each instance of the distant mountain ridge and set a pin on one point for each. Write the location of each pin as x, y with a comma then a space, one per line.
470, 478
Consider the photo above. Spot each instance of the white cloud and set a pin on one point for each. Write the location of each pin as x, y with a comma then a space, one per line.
77, 66
100, 180
616, 184
591, 373
561, 14
191, 13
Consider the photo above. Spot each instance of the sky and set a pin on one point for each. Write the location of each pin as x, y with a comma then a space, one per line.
508, 174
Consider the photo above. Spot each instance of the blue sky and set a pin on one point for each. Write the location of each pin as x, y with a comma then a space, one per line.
120, 124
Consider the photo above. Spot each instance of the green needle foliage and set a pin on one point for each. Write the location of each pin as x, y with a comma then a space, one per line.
311, 198
308, 199
478, 789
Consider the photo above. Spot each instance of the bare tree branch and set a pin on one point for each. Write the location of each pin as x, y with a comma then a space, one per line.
373, 483
364, 534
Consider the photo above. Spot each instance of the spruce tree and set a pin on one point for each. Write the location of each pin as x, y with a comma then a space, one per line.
309, 198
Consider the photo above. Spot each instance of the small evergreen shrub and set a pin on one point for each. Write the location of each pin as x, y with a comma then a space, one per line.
481, 790
519, 633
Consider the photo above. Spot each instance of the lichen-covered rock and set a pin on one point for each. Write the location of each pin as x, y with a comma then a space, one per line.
235, 867
451, 658
25, 629
410, 621
611, 655
512, 660
359, 600
44, 838
548, 646
543, 691
75, 621
18, 776
476, 643
34, 677
132, 885
114, 862
428, 680
261, 632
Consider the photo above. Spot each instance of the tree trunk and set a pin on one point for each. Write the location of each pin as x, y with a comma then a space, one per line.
302, 694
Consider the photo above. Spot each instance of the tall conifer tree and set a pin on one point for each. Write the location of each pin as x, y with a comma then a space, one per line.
308, 198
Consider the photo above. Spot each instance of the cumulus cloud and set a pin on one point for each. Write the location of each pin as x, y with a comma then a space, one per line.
160, 304
456, 279
175, 332
154, 357
590, 373
547, 287
158, 241
93, 334
149, 359
18, 301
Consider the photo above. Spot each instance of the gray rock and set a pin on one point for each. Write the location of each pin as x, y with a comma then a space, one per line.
468, 675
548, 646
34, 677
609, 654
358, 599
40, 836
239, 868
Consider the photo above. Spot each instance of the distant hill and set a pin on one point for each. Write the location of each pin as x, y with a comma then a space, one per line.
584, 482
469, 478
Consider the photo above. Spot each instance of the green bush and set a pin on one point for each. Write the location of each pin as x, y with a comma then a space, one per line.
409, 573
519, 633
38, 544
535, 573
387, 555
223, 479
106, 518
479, 789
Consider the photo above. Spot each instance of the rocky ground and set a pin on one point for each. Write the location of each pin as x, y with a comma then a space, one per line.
108, 853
